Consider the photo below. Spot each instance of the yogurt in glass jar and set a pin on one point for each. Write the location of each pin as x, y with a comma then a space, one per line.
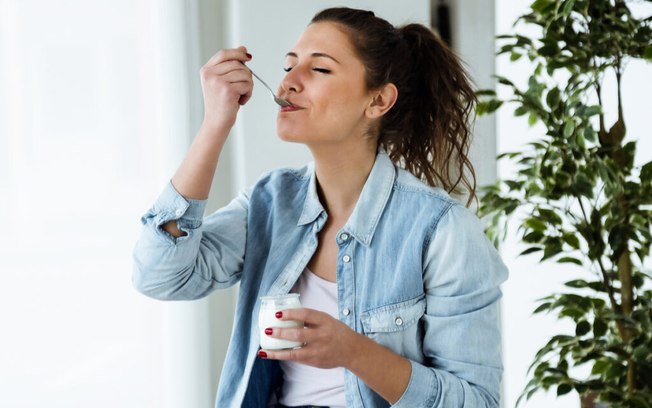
269, 305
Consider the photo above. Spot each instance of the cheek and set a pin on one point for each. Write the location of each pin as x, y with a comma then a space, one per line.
346, 109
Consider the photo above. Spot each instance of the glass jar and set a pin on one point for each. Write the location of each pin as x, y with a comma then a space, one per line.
269, 305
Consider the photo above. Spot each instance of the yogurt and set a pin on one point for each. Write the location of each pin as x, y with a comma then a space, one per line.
269, 305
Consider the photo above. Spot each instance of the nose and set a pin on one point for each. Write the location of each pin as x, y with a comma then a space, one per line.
291, 82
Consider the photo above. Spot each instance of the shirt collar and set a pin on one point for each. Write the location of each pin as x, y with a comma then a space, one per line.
373, 198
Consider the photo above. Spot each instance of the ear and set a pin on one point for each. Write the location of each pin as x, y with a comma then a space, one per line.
382, 101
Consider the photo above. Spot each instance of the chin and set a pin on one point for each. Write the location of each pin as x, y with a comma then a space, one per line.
288, 135
292, 138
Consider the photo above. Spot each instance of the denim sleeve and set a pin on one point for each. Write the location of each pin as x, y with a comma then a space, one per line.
209, 257
462, 338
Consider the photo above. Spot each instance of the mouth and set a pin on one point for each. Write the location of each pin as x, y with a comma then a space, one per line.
290, 108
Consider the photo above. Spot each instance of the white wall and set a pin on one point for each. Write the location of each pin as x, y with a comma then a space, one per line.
81, 155
523, 333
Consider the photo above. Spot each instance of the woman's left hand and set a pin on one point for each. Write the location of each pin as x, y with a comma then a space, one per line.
328, 343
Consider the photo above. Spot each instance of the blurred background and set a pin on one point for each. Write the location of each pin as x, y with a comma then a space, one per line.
99, 101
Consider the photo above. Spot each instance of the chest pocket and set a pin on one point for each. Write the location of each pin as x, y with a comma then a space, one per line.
397, 327
393, 318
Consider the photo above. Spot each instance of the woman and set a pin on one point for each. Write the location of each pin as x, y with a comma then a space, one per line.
400, 285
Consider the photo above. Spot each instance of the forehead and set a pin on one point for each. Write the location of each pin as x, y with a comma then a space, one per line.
325, 37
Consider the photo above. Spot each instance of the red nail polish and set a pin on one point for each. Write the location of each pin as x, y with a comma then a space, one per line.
279, 315
262, 354
248, 55
268, 331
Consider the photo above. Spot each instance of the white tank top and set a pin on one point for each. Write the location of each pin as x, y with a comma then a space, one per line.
303, 384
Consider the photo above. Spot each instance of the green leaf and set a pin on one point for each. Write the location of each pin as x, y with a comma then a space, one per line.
567, 8
552, 98
568, 259
563, 179
488, 106
485, 92
590, 134
577, 283
597, 302
569, 128
504, 81
572, 312
647, 53
564, 389
549, 216
572, 240
582, 328
592, 110
583, 185
599, 327
580, 141
530, 250
646, 173
536, 224
552, 247
600, 367
542, 307
642, 353
540, 6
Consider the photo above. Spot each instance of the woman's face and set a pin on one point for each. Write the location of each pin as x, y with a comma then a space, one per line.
326, 84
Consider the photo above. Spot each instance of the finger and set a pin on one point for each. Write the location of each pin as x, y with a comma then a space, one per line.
244, 98
297, 334
235, 77
303, 314
233, 73
244, 89
239, 54
236, 82
228, 66
297, 354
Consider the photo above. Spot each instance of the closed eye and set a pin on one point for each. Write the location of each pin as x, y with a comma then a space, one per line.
321, 70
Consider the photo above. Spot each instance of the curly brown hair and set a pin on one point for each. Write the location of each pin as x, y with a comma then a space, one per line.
428, 130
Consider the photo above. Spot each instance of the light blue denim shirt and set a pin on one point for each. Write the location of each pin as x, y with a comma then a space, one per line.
415, 273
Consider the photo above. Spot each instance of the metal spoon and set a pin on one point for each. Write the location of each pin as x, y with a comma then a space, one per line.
280, 101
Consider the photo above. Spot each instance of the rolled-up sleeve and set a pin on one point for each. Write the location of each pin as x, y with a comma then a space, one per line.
462, 337
208, 257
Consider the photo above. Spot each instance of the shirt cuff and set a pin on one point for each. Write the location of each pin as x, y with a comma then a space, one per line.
170, 205
420, 379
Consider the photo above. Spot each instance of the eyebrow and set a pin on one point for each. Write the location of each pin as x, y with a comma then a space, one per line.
313, 55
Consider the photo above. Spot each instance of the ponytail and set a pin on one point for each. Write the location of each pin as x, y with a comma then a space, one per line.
427, 131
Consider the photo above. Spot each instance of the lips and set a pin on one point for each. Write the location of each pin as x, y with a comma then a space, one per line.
291, 108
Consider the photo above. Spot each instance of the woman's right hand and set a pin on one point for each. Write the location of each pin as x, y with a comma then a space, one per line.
226, 85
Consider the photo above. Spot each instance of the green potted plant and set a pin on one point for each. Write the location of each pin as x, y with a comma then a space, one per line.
579, 199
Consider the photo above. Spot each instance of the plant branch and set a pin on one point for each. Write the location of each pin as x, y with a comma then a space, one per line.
606, 282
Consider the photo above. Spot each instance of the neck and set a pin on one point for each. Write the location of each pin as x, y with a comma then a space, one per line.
341, 175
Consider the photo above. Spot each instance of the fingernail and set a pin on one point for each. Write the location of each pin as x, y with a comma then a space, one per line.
279, 315
262, 354
268, 331
248, 55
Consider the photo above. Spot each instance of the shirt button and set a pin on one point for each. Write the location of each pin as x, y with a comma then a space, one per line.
178, 212
344, 237
346, 258
398, 321
346, 311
